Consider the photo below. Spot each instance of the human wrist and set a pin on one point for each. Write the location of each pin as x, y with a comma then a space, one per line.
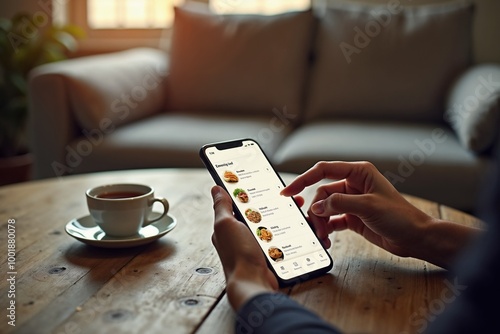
247, 281
441, 241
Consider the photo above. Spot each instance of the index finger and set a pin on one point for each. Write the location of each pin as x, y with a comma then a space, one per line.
335, 170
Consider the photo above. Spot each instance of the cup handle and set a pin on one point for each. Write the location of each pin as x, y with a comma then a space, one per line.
166, 206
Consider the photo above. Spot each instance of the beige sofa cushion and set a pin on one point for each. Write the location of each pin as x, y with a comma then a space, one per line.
388, 62
238, 63
170, 139
473, 107
424, 159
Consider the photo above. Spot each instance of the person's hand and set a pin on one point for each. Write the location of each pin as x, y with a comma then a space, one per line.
361, 199
244, 263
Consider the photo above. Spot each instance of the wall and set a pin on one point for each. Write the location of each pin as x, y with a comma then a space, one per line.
10, 7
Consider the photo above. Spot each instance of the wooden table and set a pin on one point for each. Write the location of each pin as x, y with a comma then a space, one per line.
175, 284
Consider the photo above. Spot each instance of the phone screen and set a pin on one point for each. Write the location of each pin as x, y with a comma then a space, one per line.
277, 222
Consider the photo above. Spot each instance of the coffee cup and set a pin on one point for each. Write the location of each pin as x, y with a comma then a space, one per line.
121, 210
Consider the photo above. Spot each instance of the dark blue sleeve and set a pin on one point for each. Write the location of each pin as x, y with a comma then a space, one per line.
276, 313
475, 288
469, 302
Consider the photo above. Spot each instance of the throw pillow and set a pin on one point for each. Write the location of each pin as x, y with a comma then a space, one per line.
388, 61
473, 107
239, 63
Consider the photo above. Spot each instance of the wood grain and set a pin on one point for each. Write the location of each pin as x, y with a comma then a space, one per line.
176, 284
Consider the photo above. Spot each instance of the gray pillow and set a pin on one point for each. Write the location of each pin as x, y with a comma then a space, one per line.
239, 64
388, 61
473, 107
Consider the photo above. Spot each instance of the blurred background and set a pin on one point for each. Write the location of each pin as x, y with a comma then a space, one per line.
113, 25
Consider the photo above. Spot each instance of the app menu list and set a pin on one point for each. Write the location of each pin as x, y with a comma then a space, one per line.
275, 220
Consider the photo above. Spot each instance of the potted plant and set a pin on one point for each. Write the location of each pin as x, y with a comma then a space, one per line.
24, 44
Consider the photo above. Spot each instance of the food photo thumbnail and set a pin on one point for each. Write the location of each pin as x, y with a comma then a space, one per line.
230, 177
253, 215
275, 253
264, 234
241, 195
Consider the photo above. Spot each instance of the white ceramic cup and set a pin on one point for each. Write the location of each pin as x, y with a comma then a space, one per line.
121, 210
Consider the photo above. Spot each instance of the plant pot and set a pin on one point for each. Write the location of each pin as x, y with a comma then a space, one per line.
16, 169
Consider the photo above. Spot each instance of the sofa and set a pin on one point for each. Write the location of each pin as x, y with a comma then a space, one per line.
391, 84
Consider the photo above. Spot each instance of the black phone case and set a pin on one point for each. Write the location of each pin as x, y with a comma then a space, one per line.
239, 215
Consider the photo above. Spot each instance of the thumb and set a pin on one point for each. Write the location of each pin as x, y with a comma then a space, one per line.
222, 203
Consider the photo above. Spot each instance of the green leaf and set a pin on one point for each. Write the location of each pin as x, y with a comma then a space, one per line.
66, 40
52, 53
19, 82
75, 31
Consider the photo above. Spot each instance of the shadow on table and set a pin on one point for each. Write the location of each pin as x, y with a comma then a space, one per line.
113, 259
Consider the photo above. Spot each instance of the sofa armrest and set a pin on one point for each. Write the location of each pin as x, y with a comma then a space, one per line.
90, 96
473, 107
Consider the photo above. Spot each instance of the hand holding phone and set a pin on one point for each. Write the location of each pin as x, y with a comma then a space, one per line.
291, 248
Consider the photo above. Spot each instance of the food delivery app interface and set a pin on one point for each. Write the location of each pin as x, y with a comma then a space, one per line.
275, 220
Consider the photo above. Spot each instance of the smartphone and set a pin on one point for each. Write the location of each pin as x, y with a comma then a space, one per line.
292, 250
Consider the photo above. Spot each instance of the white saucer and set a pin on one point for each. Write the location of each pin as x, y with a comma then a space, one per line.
86, 230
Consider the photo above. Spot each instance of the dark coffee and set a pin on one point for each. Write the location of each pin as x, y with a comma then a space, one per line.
119, 194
